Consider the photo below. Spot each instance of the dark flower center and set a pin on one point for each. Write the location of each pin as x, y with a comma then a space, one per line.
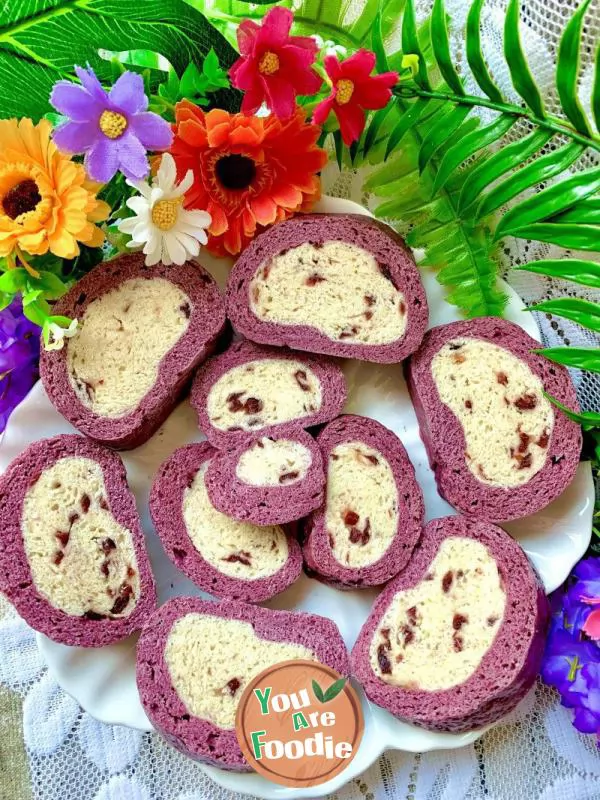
235, 171
21, 198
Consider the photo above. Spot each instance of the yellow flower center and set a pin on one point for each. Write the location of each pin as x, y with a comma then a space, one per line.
112, 124
344, 89
164, 213
269, 63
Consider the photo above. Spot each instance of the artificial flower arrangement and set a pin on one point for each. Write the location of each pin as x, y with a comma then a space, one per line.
224, 144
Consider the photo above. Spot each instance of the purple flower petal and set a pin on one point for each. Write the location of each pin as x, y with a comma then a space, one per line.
92, 84
152, 131
128, 93
132, 157
76, 137
74, 102
586, 722
102, 161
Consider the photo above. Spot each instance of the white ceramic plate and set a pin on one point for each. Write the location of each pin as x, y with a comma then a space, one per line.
103, 680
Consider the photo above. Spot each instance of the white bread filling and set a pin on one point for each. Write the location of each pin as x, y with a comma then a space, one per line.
273, 462
211, 660
123, 336
263, 392
434, 636
237, 549
361, 515
79, 555
337, 288
498, 401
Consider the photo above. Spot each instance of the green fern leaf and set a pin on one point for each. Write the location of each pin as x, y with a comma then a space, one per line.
587, 212
568, 269
540, 169
410, 44
441, 47
596, 92
571, 237
580, 311
567, 69
441, 132
475, 55
406, 122
520, 74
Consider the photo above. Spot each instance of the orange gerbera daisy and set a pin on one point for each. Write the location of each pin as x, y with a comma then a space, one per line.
46, 201
249, 172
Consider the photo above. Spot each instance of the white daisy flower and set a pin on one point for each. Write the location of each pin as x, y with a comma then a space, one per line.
55, 335
168, 232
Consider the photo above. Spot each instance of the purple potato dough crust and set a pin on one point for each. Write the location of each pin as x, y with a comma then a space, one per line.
319, 560
508, 669
207, 323
265, 505
166, 511
390, 251
199, 738
444, 438
331, 377
16, 581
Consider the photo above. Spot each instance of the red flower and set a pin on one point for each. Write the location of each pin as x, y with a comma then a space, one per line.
274, 67
354, 89
249, 172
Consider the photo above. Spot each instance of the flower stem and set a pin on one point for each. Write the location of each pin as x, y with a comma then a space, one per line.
553, 124
33, 272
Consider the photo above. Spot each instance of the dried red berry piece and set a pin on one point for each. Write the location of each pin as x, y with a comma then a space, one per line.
62, 537
253, 405
523, 462
125, 593
313, 279
351, 518
543, 440
457, 642
288, 476
243, 557
233, 402
94, 616
524, 439
502, 378
85, 503
408, 634
458, 621
369, 299
383, 660
412, 615
447, 581
58, 557
232, 686
73, 518
302, 380
108, 544
526, 402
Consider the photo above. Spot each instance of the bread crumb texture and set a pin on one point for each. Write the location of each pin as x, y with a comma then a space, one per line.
237, 549
265, 392
113, 361
273, 462
82, 560
499, 403
337, 288
362, 504
434, 636
211, 660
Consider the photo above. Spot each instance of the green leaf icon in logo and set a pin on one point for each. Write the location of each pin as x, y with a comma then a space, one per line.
331, 692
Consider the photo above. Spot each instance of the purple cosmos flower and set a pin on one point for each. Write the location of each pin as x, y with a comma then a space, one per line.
572, 658
113, 129
19, 355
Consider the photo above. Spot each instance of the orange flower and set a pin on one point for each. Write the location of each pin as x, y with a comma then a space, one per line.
46, 201
249, 172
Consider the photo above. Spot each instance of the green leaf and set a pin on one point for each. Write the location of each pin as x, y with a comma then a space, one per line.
441, 47
31, 296
189, 79
492, 168
556, 198
468, 145
373, 128
587, 419
410, 44
318, 692
518, 67
408, 119
441, 132
339, 149
378, 46
51, 285
14, 280
37, 312
475, 55
538, 170
335, 688
5, 300
583, 312
40, 42
586, 212
568, 269
567, 70
575, 237
576, 357
596, 92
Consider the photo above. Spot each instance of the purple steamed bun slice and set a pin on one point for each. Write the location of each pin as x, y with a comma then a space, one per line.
339, 284
271, 481
72, 554
143, 331
499, 448
250, 391
196, 657
455, 641
372, 515
221, 555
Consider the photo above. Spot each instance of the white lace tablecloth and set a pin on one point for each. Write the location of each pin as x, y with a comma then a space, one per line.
535, 754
